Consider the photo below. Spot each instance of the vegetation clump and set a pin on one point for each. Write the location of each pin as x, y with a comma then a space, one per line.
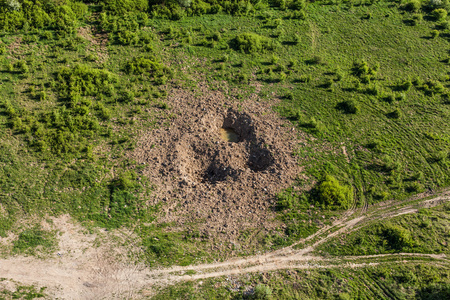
31, 238
149, 67
82, 80
348, 106
332, 195
252, 43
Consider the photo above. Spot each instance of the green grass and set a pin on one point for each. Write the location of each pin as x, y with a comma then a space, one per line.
33, 241
423, 232
333, 38
403, 281
346, 74
23, 292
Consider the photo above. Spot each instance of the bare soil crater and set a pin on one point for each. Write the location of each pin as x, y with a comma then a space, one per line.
221, 186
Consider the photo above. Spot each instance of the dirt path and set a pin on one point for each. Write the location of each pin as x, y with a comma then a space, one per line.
87, 272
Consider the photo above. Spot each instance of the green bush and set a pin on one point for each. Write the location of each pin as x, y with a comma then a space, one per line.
120, 7
148, 67
434, 34
21, 67
82, 80
297, 4
31, 238
396, 236
33, 14
432, 87
362, 69
439, 14
332, 195
412, 5
348, 106
262, 292
252, 43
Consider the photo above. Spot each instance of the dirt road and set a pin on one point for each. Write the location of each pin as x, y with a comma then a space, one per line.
87, 272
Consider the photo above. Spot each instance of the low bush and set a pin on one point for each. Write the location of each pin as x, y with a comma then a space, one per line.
252, 43
362, 69
31, 238
332, 195
82, 80
396, 236
348, 106
412, 5
149, 67
261, 292
434, 34
432, 87
439, 14
120, 7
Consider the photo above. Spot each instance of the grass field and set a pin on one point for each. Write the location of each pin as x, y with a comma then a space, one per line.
366, 84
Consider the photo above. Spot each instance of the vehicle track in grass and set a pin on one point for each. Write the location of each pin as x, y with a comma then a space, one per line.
95, 274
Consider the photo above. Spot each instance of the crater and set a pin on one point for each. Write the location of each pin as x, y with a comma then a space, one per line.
222, 162
229, 135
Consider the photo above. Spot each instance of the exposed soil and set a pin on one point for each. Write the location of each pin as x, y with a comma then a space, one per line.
84, 268
227, 186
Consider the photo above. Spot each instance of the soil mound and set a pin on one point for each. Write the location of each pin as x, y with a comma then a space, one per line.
228, 186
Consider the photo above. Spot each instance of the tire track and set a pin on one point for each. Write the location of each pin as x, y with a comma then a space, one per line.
113, 280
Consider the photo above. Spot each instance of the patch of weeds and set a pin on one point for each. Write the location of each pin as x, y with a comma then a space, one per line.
23, 292
154, 71
348, 106
406, 233
33, 241
333, 195
252, 43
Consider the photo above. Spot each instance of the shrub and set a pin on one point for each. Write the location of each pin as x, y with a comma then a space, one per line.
262, 292
434, 34
127, 37
373, 90
396, 236
298, 14
362, 69
333, 195
304, 78
21, 67
438, 156
252, 43
395, 114
328, 83
348, 106
82, 80
297, 4
13, 5
414, 187
439, 14
432, 87
404, 85
412, 5
315, 60
149, 67
120, 7
314, 125
31, 238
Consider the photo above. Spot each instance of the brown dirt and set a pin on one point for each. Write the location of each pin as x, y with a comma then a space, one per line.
91, 266
84, 266
225, 186
97, 42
